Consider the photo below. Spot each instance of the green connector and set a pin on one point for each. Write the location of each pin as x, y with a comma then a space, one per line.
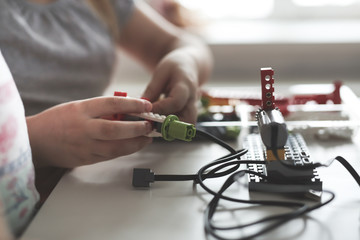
232, 132
172, 129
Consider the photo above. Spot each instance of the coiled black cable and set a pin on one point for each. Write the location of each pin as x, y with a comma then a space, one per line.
229, 164
275, 220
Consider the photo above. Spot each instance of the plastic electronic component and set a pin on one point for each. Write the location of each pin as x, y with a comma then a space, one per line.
284, 176
150, 116
333, 96
167, 127
142, 177
267, 88
155, 119
218, 114
170, 128
272, 128
119, 116
120, 94
230, 97
271, 123
288, 168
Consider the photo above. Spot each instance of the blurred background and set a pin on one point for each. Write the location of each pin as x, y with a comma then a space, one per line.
304, 41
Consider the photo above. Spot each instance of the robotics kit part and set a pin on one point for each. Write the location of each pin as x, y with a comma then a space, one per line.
267, 88
172, 129
167, 127
289, 177
288, 168
270, 121
272, 128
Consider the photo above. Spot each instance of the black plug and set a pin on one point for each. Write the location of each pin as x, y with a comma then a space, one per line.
142, 177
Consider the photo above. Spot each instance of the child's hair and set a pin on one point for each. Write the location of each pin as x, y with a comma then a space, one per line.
105, 11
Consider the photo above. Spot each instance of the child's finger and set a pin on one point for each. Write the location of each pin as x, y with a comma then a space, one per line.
175, 102
189, 113
103, 106
152, 92
102, 129
156, 86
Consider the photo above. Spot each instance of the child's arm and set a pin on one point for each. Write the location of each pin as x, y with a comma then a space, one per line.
180, 62
76, 133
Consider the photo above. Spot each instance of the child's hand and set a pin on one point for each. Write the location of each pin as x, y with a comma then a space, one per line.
176, 77
75, 133
179, 61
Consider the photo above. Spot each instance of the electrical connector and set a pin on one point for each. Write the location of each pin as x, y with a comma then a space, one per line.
172, 129
167, 127
142, 177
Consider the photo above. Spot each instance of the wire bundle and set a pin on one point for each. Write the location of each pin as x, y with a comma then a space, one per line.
229, 166
274, 220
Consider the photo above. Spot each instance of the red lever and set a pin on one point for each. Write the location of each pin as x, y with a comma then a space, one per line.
267, 88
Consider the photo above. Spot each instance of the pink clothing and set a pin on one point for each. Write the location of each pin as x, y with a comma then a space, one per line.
17, 188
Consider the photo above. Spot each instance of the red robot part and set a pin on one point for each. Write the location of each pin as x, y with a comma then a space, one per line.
320, 98
119, 116
267, 88
120, 94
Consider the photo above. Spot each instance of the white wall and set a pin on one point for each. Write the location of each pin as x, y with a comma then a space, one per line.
317, 52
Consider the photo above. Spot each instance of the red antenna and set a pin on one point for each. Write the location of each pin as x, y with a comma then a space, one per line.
267, 88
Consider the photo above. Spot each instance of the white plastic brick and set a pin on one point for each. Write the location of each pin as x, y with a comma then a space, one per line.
150, 116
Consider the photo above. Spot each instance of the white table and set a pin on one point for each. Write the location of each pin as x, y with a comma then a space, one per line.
99, 202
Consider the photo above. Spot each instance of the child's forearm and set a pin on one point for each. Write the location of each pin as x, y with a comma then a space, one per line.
159, 38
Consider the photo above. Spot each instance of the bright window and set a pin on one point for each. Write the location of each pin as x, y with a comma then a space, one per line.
230, 9
274, 9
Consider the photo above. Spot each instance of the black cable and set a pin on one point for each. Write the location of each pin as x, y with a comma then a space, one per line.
175, 177
277, 220
349, 168
229, 164
211, 137
213, 174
